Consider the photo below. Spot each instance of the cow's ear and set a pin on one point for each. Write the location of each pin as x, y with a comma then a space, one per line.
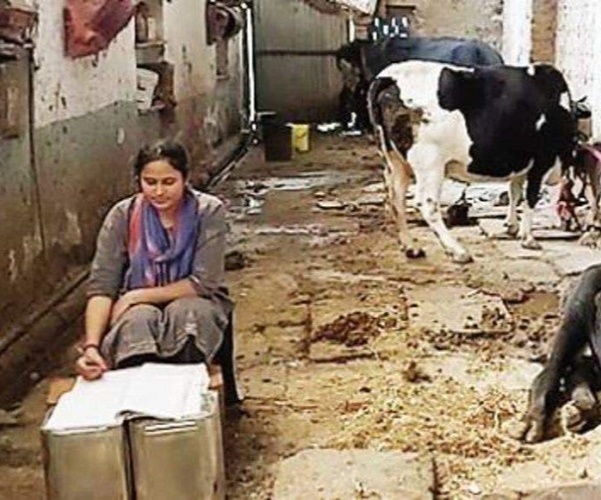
457, 89
550, 81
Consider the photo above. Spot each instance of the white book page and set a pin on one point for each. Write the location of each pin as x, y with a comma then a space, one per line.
92, 403
167, 391
154, 389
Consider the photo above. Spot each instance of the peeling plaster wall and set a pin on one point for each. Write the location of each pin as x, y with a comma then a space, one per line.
578, 49
67, 88
209, 108
194, 61
85, 134
21, 249
517, 41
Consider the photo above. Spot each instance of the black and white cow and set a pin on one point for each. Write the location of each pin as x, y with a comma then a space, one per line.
361, 60
435, 120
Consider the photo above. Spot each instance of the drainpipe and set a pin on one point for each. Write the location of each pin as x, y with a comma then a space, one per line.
249, 44
249, 127
31, 131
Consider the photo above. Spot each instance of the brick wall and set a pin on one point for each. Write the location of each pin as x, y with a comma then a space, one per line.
544, 28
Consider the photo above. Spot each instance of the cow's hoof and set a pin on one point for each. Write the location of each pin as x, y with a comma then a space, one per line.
512, 229
462, 258
415, 253
531, 244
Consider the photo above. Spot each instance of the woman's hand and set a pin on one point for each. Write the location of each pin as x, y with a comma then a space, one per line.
91, 365
127, 300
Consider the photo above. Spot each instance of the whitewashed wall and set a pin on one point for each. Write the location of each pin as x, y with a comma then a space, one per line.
517, 39
67, 88
194, 61
578, 47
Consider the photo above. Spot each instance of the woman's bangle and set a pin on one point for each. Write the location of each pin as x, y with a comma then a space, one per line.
85, 347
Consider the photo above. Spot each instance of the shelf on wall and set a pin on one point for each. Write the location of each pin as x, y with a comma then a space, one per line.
150, 52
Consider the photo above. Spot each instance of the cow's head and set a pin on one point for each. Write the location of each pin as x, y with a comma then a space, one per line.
466, 89
461, 89
550, 82
510, 110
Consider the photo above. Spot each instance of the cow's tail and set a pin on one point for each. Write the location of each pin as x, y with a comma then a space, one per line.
374, 106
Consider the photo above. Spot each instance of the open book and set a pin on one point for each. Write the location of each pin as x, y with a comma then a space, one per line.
155, 390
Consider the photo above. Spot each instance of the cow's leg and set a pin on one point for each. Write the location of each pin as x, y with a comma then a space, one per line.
400, 180
397, 178
516, 186
532, 192
428, 167
592, 193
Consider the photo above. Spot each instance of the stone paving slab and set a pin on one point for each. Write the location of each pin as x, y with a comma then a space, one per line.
332, 474
570, 258
512, 249
494, 228
531, 476
567, 257
576, 491
513, 375
529, 270
452, 307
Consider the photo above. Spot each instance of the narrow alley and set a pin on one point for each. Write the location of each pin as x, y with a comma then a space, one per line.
344, 344
365, 374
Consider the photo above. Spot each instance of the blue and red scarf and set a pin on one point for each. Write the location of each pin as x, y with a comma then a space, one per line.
158, 257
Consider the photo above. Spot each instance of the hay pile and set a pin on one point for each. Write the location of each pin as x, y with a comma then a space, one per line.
445, 418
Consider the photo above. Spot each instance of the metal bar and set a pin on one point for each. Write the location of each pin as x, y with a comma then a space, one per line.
292, 52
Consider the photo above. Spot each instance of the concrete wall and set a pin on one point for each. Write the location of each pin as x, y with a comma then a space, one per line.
564, 32
86, 132
481, 19
21, 240
578, 51
517, 33
209, 108
67, 88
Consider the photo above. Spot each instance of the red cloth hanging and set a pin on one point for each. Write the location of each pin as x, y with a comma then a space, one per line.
90, 25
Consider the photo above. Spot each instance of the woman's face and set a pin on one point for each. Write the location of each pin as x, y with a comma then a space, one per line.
162, 185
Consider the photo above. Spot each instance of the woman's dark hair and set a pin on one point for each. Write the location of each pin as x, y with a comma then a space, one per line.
170, 151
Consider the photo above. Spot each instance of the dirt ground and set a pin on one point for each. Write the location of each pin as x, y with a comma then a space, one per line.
344, 343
